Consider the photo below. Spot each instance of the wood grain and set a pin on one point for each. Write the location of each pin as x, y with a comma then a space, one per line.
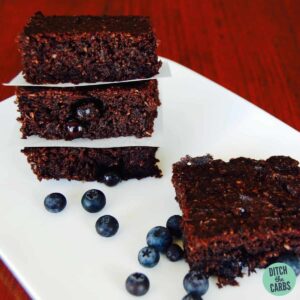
249, 46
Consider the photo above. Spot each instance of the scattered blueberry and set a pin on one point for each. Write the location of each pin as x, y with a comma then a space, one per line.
291, 260
174, 225
74, 129
107, 226
174, 252
159, 238
93, 200
55, 202
111, 179
195, 282
192, 296
137, 284
148, 257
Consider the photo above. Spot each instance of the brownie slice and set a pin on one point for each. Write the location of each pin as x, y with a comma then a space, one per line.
244, 212
91, 164
93, 112
88, 48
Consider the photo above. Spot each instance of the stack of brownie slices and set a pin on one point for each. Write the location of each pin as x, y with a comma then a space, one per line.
89, 49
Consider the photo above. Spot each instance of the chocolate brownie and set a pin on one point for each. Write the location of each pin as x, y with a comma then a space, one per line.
91, 164
93, 112
88, 49
244, 212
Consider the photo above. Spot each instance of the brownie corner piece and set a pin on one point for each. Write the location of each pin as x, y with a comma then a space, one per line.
77, 49
91, 164
241, 213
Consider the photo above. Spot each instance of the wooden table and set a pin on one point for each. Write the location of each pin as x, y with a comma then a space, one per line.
249, 46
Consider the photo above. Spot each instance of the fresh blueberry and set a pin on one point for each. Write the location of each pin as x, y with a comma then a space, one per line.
83, 112
74, 129
159, 238
111, 179
93, 200
55, 202
229, 268
107, 226
291, 260
148, 257
192, 296
174, 225
87, 110
137, 284
195, 282
174, 252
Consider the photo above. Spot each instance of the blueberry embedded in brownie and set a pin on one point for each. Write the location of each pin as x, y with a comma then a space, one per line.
127, 109
244, 212
88, 48
92, 164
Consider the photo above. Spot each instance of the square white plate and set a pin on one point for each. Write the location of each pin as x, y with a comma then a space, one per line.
60, 256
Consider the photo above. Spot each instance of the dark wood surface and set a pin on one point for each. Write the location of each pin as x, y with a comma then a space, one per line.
249, 46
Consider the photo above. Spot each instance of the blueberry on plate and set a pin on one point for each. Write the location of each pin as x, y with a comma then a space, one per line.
174, 225
93, 200
192, 296
195, 282
55, 202
111, 179
292, 260
148, 257
159, 238
174, 252
107, 226
137, 284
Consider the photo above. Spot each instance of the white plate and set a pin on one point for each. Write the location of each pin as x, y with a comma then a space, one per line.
60, 256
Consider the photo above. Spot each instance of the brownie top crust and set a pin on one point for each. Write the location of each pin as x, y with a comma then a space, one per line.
134, 25
243, 197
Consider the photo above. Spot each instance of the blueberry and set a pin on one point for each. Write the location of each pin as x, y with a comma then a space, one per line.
291, 260
230, 268
111, 179
137, 284
148, 257
174, 252
159, 238
192, 296
174, 225
93, 200
195, 282
83, 112
55, 202
88, 108
107, 226
74, 130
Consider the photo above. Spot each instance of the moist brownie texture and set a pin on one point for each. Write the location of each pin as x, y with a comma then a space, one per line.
241, 213
90, 164
88, 49
126, 109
